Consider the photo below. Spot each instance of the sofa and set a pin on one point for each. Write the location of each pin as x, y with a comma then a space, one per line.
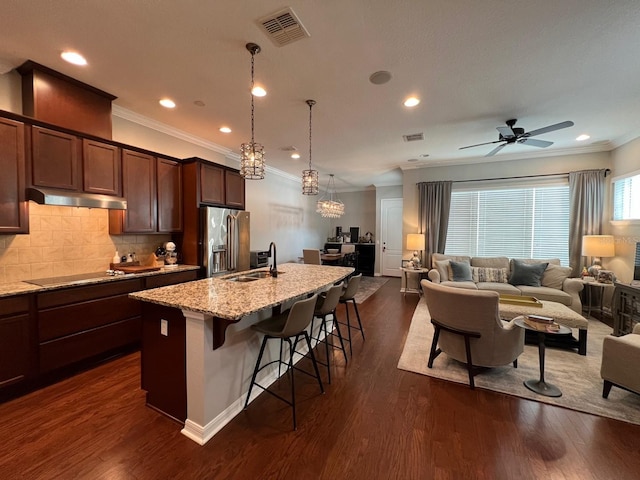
544, 279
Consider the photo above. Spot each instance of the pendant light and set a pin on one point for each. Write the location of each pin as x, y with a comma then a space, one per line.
252, 154
328, 207
310, 176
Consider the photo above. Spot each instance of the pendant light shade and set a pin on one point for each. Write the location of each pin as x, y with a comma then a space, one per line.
327, 206
252, 153
310, 176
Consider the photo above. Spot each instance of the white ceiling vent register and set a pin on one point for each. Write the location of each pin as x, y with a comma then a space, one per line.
414, 137
283, 27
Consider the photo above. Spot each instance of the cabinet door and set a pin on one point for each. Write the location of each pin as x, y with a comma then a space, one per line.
101, 168
139, 188
54, 159
211, 184
14, 340
13, 206
234, 189
169, 196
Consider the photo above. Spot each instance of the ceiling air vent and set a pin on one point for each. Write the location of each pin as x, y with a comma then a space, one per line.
414, 137
283, 27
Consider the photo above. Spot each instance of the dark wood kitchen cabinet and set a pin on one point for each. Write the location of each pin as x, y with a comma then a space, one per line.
14, 340
101, 168
55, 159
212, 191
13, 205
83, 322
169, 182
234, 189
139, 188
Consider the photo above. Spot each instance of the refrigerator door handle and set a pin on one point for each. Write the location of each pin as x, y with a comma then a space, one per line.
231, 243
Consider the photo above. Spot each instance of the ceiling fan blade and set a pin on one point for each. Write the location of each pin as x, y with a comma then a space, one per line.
495, 150
550, 128
506, 132
535, 142
480, 144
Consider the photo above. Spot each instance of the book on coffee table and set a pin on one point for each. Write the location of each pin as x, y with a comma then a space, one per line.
541, 326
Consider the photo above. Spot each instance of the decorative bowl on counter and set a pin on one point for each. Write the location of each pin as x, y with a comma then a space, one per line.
332, 250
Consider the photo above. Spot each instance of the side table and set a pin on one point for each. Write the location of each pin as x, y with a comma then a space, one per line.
595, 293
421, 273
540, 386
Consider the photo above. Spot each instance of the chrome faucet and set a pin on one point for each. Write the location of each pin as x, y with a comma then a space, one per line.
273, 269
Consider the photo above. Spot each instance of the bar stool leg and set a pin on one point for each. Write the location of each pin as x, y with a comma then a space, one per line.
313, 360
255, 370
326, 347
336, 325
346, 307
355, 307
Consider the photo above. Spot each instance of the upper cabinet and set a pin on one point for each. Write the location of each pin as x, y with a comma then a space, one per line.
212, 190
169, 174
234, 189
55, 159
101, 168
13, 205
153, 189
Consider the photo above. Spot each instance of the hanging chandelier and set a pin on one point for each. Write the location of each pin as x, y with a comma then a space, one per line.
328, 207
252, 153
310, 176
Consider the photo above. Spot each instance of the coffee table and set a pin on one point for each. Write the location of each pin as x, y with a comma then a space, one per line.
560, 313
540, 386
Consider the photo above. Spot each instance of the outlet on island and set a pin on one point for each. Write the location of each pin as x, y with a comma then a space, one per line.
164, 327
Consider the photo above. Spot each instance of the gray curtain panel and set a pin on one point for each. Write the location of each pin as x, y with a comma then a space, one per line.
433, 216
586, 189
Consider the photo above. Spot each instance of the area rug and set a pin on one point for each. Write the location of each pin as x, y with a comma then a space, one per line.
577, 376
368, 286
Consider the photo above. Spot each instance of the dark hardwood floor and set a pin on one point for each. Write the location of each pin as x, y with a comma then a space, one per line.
374, 422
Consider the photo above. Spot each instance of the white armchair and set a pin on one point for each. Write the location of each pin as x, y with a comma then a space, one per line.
620, 360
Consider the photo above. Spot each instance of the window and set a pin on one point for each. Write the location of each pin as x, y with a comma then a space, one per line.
515, 222
626, 198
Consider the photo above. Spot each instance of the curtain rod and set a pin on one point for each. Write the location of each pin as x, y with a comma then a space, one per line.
606, 172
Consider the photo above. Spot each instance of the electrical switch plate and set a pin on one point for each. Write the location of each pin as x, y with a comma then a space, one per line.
164, 327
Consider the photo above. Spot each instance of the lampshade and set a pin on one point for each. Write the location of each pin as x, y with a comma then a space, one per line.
415, 241
598, 246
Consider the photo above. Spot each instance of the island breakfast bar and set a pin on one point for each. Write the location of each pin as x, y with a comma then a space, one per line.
198, 351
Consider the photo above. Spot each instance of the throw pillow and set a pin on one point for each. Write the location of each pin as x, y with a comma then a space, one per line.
554, 276
488, 274
527, 274
461, 271
443, 269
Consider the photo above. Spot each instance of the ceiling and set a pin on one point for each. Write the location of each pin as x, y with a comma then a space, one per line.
473, 64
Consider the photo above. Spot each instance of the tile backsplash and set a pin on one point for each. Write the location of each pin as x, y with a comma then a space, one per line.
67, 241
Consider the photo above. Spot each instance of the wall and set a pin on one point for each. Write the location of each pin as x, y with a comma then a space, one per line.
533, 166
359, 211
67, 241
625, 160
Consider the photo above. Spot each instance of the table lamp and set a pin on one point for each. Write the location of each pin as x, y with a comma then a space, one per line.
415, 242
597, 246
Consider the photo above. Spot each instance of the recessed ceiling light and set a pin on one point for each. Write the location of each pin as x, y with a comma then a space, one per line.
583, 137
225, 129
167, 103
411, 102
258, 91
73, 57
295, 155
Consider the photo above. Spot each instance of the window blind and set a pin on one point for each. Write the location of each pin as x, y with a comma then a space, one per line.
626, 198
521, 222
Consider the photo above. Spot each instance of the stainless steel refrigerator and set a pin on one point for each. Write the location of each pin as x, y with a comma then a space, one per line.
225, 240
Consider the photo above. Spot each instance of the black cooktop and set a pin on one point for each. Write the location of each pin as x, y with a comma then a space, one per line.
67, 279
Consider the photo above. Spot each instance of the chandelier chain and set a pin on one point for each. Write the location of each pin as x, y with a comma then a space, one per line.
251, 93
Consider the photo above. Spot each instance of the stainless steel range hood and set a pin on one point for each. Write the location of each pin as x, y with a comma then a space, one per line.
51, 196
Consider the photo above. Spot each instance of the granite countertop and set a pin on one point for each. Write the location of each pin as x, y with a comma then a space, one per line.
19, 288
231, 300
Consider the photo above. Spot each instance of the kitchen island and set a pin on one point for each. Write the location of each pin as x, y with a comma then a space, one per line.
198, 350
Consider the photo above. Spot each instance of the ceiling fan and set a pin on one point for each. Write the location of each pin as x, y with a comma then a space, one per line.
511, 134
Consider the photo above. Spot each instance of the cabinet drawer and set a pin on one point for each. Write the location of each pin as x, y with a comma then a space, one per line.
73, 348
171, 279
91, 292
13, 305
66, 320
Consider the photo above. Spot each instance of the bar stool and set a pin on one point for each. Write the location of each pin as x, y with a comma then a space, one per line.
325, 306
347, 297
285, 327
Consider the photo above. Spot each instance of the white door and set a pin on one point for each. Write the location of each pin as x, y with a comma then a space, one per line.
391, 236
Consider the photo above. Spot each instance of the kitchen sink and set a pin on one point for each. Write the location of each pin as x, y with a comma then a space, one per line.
250, 277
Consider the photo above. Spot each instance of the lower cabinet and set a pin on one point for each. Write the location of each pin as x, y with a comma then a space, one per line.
14, 340
79, 323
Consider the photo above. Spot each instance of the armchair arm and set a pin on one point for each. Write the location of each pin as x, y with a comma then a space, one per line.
573, 286
636, 329
434, 275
